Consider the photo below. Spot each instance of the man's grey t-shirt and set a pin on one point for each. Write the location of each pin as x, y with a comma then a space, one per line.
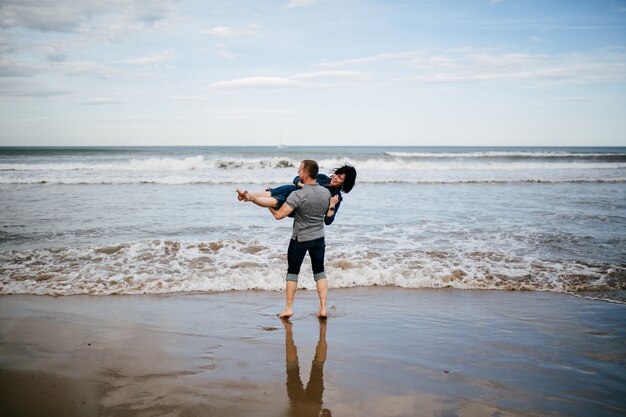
309, 205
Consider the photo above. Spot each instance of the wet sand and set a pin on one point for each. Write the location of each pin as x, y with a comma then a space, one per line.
383, 352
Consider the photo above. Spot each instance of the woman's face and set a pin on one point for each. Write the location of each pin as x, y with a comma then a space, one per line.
337, 180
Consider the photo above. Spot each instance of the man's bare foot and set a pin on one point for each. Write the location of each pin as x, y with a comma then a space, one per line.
322, 315
285, 314
241, 195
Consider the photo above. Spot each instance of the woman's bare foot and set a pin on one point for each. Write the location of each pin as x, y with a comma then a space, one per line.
249, 196
322, 315
241, 195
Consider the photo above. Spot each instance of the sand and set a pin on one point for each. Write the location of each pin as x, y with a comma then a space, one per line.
383, 352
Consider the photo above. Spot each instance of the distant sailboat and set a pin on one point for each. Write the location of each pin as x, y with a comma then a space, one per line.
280, 144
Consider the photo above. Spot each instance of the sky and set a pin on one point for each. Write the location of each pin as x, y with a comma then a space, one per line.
313, 72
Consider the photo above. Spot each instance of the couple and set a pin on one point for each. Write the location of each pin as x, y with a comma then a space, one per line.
313, 200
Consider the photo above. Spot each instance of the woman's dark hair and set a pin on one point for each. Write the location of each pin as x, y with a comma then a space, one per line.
350, 173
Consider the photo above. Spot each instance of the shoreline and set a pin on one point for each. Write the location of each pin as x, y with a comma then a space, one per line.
384, 351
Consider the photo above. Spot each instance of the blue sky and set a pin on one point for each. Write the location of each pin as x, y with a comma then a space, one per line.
307, 72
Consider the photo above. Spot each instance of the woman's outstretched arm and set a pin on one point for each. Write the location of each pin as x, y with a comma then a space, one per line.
333, 207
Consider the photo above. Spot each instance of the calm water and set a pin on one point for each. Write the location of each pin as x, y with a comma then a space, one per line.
147, 220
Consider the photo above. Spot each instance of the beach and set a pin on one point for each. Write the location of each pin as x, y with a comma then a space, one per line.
383, 352
463, 282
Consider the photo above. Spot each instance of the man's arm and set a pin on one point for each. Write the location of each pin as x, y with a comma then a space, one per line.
282, 212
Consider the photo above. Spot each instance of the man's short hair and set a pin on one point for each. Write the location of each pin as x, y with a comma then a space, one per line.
311, 167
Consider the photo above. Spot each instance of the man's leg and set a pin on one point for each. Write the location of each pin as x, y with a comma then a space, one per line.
322, 290
290, 294
317, 253
295, 256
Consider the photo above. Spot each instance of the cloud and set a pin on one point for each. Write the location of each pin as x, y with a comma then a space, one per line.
72, 15
98, 101
247, 114
295, 4
185, 98
256, 83
225, 52
483, 65
345, 75
54, 54
394, 56
88, 68
16, 88
44, 16
293, 81
157, 58
232, 31
467, 65
12, 68
7, 44
586, 99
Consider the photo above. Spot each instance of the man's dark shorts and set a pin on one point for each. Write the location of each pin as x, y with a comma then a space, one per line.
295, 256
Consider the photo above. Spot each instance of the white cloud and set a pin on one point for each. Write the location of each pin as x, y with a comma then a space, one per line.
294, 4
186, 98
225, 52
585, 99
97, 101
255, 83
346, 75
394, 56
490, 64
247, 114
89, 68
157, 58
15, 88
474, 65
232, 31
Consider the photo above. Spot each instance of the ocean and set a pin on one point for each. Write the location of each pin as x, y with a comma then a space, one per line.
128, 220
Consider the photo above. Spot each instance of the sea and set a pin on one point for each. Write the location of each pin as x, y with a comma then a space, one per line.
145, 220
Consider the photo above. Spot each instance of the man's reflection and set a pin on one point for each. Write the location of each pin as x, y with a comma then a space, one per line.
305, 402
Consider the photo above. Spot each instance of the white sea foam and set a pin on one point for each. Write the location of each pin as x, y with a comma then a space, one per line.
266, 180
500, 154
157, 266
191, 163
199, 163
277, 170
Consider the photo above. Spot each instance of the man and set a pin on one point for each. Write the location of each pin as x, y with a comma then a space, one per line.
308, 204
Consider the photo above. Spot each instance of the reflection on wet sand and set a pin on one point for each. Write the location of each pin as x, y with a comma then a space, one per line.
305, 402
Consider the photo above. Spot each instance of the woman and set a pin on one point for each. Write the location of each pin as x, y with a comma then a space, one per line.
341, 179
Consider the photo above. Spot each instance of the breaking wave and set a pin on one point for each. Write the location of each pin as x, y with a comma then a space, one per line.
157, 266
271, 170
